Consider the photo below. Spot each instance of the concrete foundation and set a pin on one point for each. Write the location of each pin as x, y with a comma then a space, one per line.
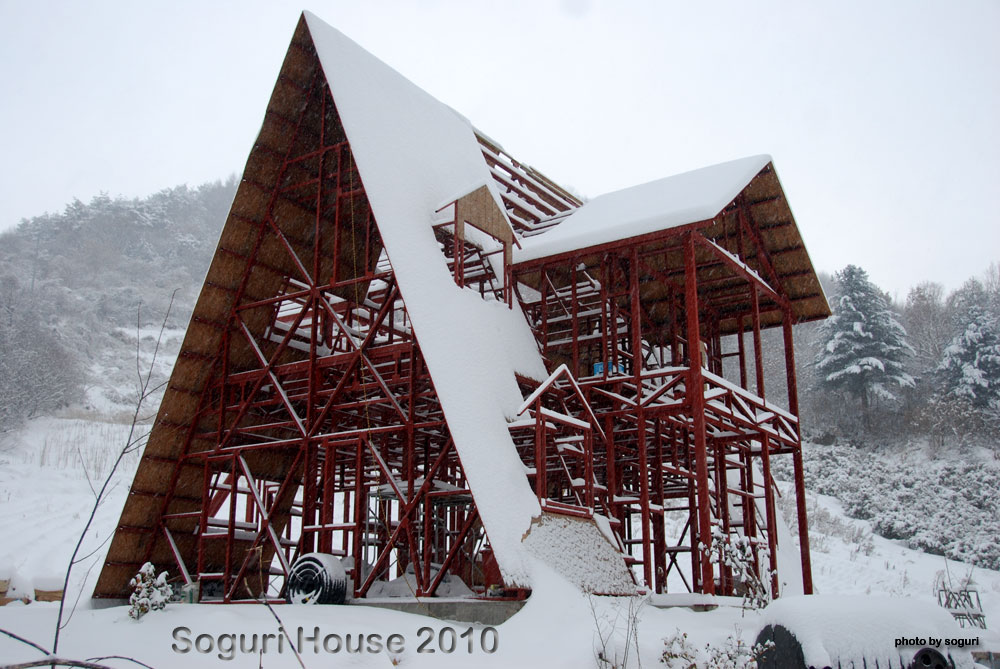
481, 611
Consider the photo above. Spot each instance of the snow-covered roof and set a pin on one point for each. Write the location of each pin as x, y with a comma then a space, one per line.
742, 194
678, 200
414, 154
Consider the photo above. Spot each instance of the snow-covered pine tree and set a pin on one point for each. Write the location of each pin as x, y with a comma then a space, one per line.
865, 345
149, 591
970, 365
971, 295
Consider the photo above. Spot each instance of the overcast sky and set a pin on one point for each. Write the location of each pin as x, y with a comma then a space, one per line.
883, 117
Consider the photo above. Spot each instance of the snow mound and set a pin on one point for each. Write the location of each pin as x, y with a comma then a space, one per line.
840, 628
577, 550
405, 586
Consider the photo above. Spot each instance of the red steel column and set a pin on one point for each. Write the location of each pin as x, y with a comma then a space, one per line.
541, 488
758, 351
765, 446
697, 398
659, 528
360, 512
575, 323
770, 511
612, 475
647, 546
741, 349
800, 485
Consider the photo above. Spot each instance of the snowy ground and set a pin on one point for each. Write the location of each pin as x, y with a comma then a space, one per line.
45, 498
875, 565
48, 474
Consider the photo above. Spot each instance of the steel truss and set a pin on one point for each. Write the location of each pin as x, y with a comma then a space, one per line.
303, 418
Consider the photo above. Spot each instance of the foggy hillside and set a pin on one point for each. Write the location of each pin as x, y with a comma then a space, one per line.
72, 284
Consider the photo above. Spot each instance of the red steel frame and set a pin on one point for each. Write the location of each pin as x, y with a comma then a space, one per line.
675, 433
332, 439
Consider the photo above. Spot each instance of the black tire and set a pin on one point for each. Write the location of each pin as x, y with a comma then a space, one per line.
316, 578
786, 653
931, 659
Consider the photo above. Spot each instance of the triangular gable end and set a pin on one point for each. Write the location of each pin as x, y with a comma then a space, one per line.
739, 205
301, 415
288, 236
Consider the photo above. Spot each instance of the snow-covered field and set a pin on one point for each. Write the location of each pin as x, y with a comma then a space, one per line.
48, 470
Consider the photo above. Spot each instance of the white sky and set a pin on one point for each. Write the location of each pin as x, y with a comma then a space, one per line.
883, 116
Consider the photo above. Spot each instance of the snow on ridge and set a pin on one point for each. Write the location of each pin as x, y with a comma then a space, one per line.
684, 198
415, 153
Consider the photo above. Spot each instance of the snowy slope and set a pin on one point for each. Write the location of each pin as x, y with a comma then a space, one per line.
44, 499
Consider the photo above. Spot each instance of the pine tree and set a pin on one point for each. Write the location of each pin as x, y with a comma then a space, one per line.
865, 345
972, 295
149, 591
970, 366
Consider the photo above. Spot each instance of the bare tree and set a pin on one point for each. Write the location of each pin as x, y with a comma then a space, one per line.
133, 443
927, 326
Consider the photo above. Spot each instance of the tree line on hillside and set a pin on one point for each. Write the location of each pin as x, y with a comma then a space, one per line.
72, 283
928, 367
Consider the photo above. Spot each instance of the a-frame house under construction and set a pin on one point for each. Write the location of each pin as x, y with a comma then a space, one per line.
447, 374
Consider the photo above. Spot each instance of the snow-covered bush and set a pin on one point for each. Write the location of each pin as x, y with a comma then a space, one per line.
679, 653
735, 654
944, 508
616, 632
736, 553
823, 524
149, 591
